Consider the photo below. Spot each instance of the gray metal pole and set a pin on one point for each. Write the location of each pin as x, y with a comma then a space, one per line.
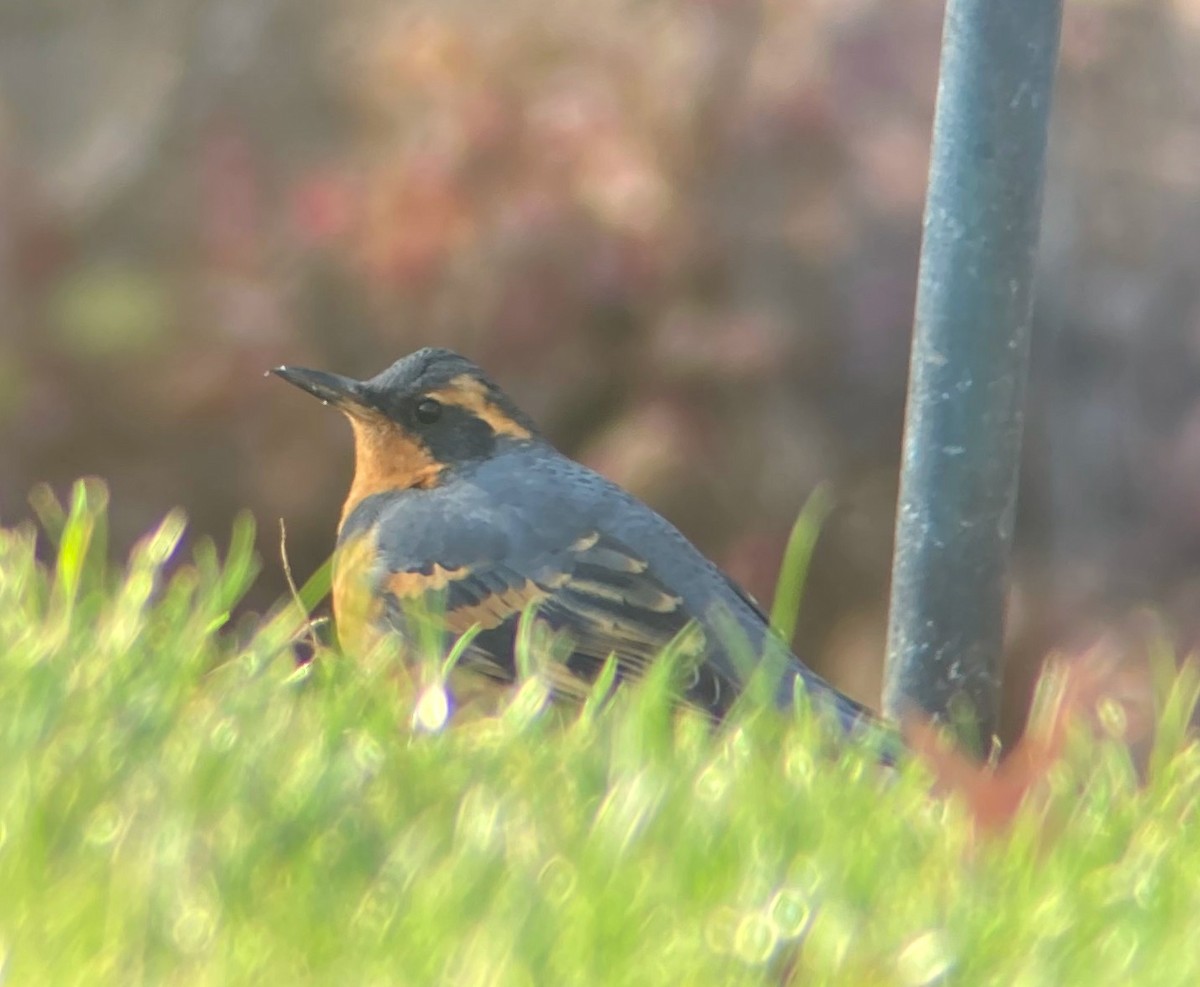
970, 352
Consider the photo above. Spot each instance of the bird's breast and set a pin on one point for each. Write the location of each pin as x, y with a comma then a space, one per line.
356, 606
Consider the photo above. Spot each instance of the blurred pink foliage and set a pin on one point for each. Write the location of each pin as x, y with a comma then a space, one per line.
683, 235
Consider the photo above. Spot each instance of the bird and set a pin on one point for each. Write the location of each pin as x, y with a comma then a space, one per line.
459, 504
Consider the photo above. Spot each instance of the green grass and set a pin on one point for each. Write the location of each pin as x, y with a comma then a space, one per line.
179, 805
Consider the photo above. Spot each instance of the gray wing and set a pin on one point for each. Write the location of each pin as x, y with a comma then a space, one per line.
481, 564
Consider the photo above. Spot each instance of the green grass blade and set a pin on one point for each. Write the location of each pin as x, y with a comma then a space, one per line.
160, 824
793, 572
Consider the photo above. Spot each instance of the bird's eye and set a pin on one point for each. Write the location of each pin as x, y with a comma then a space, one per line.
429, 411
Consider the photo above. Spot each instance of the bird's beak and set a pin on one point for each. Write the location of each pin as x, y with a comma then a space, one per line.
343, 393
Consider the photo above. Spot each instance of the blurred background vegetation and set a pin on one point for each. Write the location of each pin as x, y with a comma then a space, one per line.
683, 234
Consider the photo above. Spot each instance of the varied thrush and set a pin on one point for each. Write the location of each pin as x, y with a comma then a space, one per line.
459, 502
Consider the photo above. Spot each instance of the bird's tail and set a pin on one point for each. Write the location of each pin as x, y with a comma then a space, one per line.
856, 719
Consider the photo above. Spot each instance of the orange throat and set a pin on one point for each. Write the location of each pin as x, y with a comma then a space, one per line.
387, 458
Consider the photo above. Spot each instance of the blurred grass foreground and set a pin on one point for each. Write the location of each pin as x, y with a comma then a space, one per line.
180, 804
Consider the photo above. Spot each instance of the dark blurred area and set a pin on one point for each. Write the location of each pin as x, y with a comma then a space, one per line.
682, 234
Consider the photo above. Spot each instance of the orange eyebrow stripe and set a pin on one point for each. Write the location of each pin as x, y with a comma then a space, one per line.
468, 393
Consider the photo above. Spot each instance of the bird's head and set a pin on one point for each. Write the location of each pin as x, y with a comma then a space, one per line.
429, 412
